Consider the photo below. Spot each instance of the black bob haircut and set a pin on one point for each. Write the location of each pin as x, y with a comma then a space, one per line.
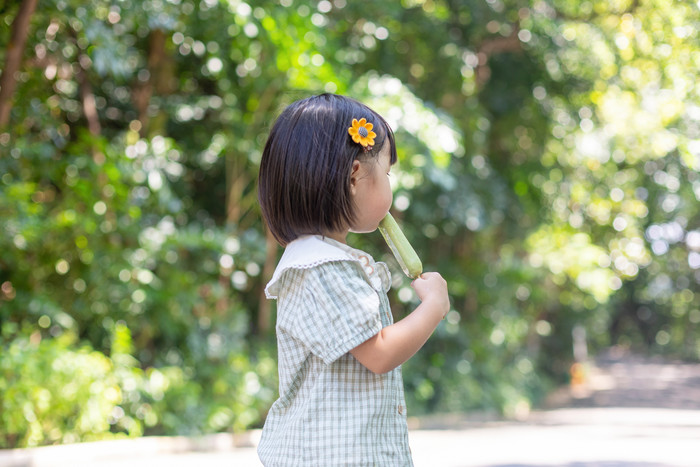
304, 179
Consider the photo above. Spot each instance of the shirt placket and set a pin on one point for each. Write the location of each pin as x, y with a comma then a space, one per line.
375, 281
395, 393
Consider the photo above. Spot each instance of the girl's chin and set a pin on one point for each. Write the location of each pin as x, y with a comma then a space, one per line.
365, 229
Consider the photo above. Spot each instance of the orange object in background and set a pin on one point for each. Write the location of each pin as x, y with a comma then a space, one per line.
578, 374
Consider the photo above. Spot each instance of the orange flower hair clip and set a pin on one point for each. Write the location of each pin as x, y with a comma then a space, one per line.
361, 132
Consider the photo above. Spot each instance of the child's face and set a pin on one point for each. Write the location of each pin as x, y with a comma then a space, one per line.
371, 191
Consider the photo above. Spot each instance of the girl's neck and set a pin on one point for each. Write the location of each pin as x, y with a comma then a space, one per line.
339, 236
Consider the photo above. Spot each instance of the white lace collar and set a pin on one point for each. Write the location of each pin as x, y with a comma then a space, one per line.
313, 250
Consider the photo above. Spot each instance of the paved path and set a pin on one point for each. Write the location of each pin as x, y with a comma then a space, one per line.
631, 412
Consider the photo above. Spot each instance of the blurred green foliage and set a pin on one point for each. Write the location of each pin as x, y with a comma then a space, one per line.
548, 167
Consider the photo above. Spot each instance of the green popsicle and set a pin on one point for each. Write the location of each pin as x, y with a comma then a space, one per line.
402, 250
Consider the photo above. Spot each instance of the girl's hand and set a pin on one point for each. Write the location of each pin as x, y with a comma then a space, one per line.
431, 289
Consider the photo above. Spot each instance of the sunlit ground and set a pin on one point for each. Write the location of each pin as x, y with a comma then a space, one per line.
570, 437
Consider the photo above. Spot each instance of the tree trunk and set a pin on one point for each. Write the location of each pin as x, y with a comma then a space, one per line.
88, 103
265, 308
8, 83
88, 100
160, 81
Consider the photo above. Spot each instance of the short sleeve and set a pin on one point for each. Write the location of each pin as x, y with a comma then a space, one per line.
330, 308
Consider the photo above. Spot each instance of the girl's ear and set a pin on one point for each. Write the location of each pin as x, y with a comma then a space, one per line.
354, 176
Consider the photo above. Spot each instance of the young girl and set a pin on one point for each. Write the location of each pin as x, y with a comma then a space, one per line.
325, 172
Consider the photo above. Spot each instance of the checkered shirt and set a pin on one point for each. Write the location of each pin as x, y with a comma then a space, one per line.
332, 411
